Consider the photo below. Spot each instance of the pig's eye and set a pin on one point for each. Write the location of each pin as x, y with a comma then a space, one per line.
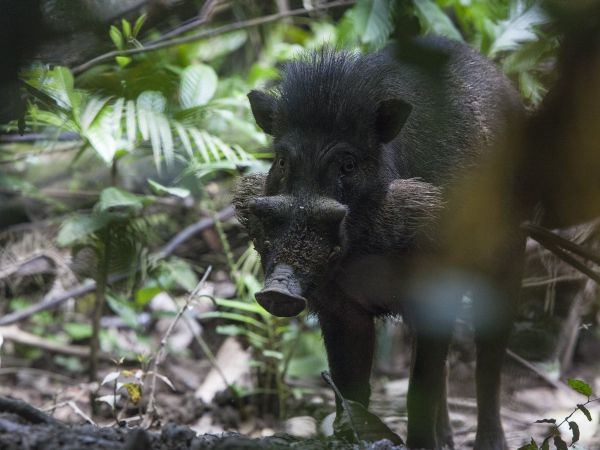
280, 163
348, 166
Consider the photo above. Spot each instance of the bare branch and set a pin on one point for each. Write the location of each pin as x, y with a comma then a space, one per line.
151, 412
90, 286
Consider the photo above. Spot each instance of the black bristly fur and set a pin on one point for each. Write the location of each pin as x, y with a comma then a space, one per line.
382, 138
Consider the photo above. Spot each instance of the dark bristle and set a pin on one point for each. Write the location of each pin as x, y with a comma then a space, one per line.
339, 90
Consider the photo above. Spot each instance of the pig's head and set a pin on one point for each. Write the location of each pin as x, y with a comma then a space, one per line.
297, 238
330, 116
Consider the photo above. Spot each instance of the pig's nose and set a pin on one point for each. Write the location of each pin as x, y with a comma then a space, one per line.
282, 293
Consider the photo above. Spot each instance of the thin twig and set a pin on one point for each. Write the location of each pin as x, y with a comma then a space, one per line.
203, 18
206, 349
544, 281
540, 373
71, 404
13, 333
536, 231
206, 34
186, 233
160, 354
559, 246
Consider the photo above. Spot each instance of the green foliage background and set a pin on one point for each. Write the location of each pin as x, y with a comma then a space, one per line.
184, 108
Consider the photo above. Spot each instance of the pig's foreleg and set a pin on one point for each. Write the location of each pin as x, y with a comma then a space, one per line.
349, 337
428, 423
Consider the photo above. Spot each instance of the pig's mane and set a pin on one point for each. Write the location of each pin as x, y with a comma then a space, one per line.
332, 90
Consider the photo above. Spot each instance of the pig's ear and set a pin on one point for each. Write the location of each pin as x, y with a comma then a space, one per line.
391, 117
263, 107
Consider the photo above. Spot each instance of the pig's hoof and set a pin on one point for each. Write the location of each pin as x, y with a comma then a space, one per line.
281, 303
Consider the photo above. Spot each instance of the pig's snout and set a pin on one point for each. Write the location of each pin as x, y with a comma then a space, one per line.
281, 295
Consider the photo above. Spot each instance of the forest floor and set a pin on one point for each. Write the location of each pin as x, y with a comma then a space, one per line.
186, 421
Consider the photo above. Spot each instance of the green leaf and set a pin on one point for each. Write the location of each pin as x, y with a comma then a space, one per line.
307, 366
175, 191
273, 354
260, 73
123, 61
559, 443
580, 386
101, 126
234, 317
434, 20
92, 111
240, 305
78, 331
546, 444
123, 309
198, 85
184, 138
518, 28
531, 88
130, 119
139, 23
585, 411
212, 48
144, 295
258, 341
152, 101
355, 420
181, 273
112, 197
532, 445
126, 28
117, 37
575, 429
79, 227
156, 125
378, 24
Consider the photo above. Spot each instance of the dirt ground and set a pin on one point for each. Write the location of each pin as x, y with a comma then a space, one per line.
187, 422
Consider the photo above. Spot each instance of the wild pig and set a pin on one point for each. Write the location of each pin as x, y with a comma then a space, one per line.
367, 148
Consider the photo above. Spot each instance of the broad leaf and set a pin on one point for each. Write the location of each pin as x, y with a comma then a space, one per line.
373, 21
518, 28
580, 386
110, 377
234, 317
79, 227
355, 420
126, 28
575, 429
123, 309
434, 20
175, 191
212, 48
152, 101
585, 411
112, 197
559, 443
257, 340
78, 331
138, 24
198, 85
116, 37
